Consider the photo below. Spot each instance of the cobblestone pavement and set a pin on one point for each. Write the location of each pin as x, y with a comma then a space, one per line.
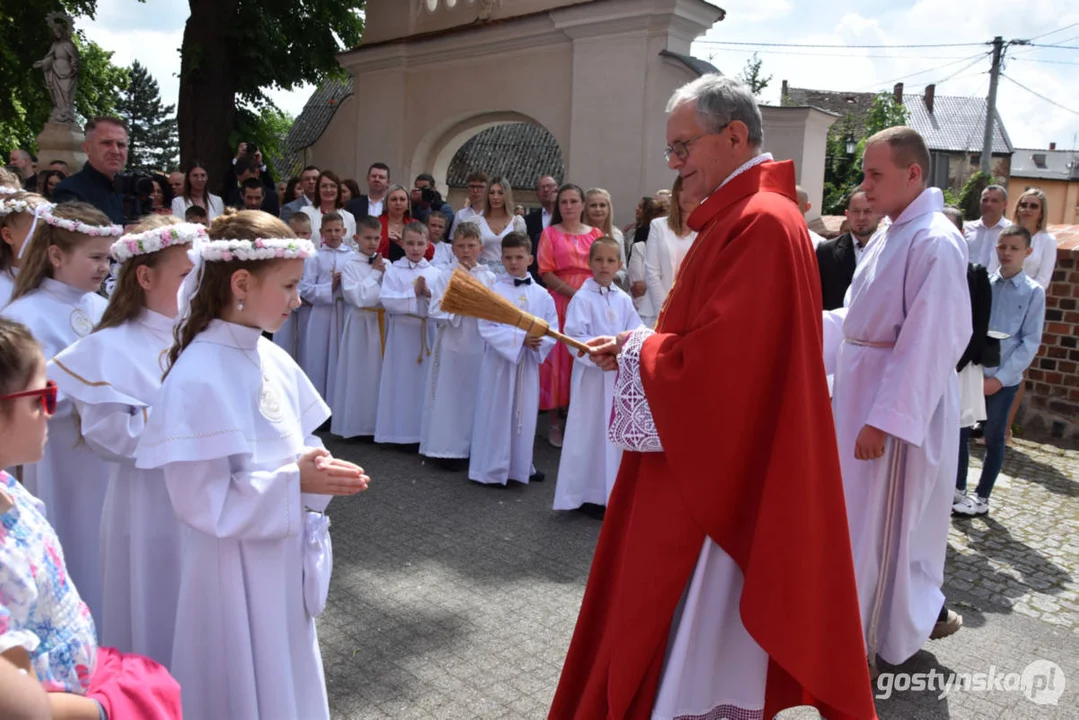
456, 601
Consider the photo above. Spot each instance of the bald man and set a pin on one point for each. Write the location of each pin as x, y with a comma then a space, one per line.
805, 206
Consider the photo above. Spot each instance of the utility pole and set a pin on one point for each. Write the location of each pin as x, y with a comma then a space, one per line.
991, 105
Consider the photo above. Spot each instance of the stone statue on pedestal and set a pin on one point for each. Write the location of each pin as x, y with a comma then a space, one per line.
61, 68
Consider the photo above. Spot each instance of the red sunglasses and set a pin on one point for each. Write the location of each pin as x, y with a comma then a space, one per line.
47, 395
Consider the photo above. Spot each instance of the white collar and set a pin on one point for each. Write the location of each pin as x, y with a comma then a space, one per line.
62, 291
592, 285
748, 164
342, 248
229, 334
156, 321
406, 263
930, 200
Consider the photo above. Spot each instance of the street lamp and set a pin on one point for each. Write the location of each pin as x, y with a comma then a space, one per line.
851, 144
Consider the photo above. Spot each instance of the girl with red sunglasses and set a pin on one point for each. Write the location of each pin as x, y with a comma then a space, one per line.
46, 630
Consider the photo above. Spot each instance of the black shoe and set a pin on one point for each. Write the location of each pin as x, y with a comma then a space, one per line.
596, 512
537, 477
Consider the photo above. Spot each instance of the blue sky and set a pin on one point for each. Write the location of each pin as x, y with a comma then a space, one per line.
152, 33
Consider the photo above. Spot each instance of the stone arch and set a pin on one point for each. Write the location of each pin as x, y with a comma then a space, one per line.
437, 150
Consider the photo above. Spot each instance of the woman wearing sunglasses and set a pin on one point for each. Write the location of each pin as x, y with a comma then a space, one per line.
45, 628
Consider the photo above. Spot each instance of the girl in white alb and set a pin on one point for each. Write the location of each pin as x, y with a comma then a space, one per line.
232, 432
55, 296
410, 336
17, 221
112, 377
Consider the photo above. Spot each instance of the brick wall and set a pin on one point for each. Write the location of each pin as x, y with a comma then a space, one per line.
1052, 399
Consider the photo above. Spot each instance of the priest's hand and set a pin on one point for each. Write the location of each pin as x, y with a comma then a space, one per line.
870, 443
605, 350
323, 474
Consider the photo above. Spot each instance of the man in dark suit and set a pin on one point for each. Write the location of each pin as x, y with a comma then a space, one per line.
247, 168
836, 259
537, 220
378, 182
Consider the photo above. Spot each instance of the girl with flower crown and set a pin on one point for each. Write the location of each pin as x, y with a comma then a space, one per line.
112, 377
16, 220
233, 434
55, 296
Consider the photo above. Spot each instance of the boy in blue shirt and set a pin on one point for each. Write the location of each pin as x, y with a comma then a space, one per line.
1018, 310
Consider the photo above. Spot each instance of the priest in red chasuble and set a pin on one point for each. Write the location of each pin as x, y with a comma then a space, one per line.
722, 585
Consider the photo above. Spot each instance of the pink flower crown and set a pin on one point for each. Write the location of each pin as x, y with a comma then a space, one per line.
157, 239
260, 249
76, 226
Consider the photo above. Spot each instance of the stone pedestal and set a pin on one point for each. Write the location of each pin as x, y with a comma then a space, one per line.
61, 141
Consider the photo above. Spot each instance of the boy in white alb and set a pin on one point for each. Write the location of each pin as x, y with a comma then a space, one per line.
446, 431
359, 365
504, 429
436, 235
406, 295
321, 286
291, 335
589, 462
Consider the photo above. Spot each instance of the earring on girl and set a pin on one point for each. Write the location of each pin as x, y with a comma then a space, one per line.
240, 305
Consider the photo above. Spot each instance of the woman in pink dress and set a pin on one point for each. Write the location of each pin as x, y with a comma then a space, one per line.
563, 265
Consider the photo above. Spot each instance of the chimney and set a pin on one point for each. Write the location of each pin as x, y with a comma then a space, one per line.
897, 93
783, 94
1052, 146
930, 92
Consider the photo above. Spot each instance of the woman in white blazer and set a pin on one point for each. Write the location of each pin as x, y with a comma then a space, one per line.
1031, 212
195, 193
669, 240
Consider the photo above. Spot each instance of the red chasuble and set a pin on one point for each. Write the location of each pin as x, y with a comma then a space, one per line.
736, 383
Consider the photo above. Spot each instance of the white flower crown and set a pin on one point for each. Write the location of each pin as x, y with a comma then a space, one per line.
261, 249
5, 190
157, 239
82, 228
8, 207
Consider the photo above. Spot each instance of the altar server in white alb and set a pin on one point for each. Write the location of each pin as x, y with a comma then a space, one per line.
55, 296
453, 381
410, 335
321, 286
17, 219
249, 483
291, 335
112, 377
894, 349
589, 462
504, 430
355, 392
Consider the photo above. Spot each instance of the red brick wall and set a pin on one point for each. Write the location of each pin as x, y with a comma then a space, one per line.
1052, 400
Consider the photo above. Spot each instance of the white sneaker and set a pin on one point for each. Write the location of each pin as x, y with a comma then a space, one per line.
972, 506
958, 497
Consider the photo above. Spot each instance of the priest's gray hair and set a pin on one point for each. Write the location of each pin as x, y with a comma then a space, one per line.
719, 101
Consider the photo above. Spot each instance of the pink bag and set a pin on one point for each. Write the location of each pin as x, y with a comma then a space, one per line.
133, 686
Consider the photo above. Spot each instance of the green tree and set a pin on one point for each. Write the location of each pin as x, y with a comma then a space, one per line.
267, 128
24, 100
151, 129
843, 172
752, 77
235, 49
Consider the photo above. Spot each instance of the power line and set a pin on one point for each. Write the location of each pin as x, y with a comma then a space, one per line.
1046, 62
844, 55
1057, 47
1054, 32
839, 47
975, 58
1039, 95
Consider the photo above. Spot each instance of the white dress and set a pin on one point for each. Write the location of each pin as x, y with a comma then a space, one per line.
113, 376
7, 286
236, 414
359, 366
504, 429
893, 351
1040, 264
492, 242
636, 272
70, 479
316, 225
410, 339
663, 255
181, 204
326, 319
453, 381
589, 462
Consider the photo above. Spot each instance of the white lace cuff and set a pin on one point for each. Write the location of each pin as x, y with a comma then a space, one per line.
632, 426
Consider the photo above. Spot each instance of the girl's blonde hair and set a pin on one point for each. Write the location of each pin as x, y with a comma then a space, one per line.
609, 222
1040, 194
7, 253
675, 221
507, 194
37, 266
128, 298
215, 285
